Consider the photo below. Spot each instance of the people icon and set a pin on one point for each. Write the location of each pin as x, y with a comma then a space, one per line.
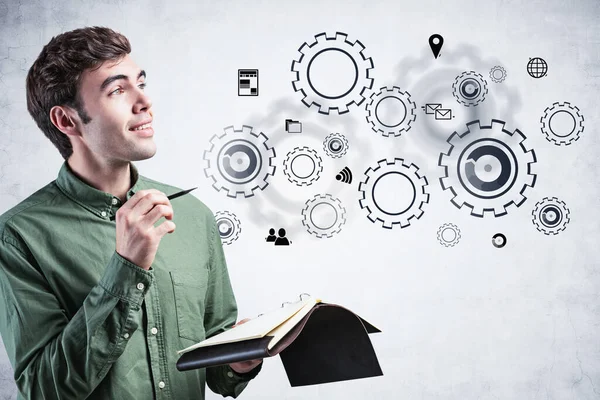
271, 237
281, 239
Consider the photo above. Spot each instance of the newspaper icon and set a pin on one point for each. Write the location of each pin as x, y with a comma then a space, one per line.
292, 126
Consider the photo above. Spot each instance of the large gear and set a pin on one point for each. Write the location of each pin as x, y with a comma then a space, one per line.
551, 216
303, 166
323, 216
448, 235
338, 101
562, 123
400, 122
412, 185
469, 88
487, 168
229, 226
335, 145
239, 161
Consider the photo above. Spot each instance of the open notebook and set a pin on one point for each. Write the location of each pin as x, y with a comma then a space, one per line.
318, 343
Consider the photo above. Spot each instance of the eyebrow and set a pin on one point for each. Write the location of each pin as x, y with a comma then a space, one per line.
113, 78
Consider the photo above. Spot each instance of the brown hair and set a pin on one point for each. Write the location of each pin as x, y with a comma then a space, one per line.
55, 77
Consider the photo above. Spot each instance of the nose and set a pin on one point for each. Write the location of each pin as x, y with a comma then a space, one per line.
143, 103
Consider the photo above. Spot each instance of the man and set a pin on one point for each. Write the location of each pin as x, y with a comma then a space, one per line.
92, 308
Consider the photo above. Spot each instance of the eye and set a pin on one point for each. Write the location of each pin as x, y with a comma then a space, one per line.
116, 90
142, 85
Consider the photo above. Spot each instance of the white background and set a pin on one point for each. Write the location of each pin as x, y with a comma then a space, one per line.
467, 322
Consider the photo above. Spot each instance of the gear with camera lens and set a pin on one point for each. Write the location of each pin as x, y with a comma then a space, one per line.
228, 225
469, 88
551, 216
335, 145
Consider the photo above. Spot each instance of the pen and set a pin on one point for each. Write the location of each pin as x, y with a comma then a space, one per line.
170, 197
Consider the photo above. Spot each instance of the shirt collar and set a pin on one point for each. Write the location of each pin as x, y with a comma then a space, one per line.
104, 205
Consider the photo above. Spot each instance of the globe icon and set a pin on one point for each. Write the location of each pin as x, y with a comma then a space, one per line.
537, 67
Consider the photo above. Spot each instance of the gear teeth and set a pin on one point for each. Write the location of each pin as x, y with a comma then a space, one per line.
574, 112
385, 93
480, 205
366, 188
256, 143
474, 76
561, 224
307, 219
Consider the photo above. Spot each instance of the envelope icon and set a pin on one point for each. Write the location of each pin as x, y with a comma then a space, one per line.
430, 108
443, 113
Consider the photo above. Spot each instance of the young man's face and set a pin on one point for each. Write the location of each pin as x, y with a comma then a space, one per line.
113, 97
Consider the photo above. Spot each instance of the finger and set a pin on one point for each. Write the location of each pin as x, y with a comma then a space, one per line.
149, 202
159, 211
164, 228
134, 200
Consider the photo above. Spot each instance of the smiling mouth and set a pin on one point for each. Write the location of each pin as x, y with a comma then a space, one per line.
142, 127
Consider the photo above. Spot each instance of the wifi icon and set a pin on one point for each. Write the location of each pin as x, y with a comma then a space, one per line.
344, 175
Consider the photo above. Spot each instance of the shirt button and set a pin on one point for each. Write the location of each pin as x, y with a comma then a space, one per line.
154, 331
103, 213
126, 335
161, 384
140, 286
230, 374
114, 202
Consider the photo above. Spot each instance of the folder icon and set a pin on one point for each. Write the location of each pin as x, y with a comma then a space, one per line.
443, 113
430, 108
292, 126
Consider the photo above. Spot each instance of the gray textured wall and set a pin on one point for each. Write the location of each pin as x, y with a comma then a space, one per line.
467, 322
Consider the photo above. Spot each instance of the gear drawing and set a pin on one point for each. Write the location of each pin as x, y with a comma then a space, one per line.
487, 168
562, 123
229, 226
448, 235
395, 123
338, 45
239, 161
335, 145
497, 74
551, 216
409, 182
469, 88
323, 216
303, 166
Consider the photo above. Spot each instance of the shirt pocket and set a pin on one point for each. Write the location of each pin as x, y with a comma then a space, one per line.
189, 291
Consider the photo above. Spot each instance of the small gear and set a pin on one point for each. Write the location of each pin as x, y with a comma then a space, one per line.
499, 240
389, 122
408, 190
229, 226
239, 161
303, 166
551, 216
448, 235
497, 74
335, 145
562, 123
340, 101
487, 168
469, 88
323, 215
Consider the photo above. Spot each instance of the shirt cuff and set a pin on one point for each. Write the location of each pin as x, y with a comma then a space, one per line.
240, 381
126, 280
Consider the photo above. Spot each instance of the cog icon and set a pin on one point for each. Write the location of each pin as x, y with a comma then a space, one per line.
562, 123
239, 161
323, 216
344, 82
229, 226
391, 111
497, 74
448, 235
469, 88
393, 193
335, 145
487, 168
551, 216
303, 166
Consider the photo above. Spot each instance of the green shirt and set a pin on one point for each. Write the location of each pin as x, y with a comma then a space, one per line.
81, 322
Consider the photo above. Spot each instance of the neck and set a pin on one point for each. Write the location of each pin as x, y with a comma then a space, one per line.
110, 177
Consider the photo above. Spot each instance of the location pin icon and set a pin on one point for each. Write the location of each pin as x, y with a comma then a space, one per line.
435, 42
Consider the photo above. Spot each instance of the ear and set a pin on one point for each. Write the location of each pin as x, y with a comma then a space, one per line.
65, 119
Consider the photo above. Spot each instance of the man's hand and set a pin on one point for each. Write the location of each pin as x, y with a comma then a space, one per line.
244, 366
137, 238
